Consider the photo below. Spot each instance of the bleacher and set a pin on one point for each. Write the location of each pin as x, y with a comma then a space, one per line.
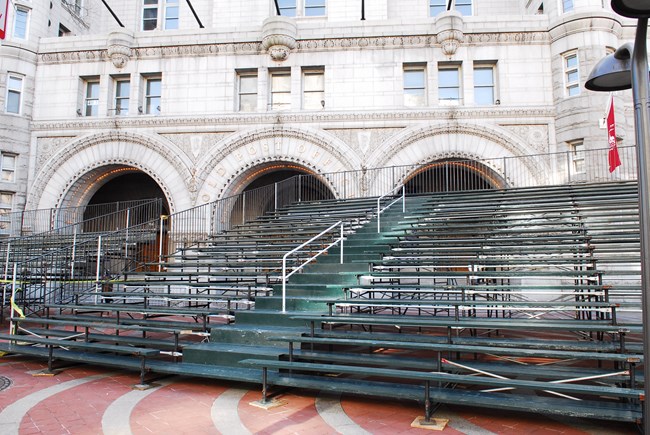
474, 298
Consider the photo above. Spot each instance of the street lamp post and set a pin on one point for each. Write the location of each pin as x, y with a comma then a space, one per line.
613, 73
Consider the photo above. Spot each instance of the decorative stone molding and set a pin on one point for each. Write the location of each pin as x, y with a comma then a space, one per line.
238, 119
305, 45
119, 47
279, 37
449, 31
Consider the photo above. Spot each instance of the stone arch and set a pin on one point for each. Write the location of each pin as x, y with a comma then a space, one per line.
314, 150
67, 178
494, 147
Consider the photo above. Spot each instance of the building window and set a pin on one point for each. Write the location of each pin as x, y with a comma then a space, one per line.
64, 31
280, 90
414, 85
21, 22
6, 202
567, 5
150, 15
287, 8
449, 85
14, 94
464, 7
436, 7
91, 98
73, 6
484, 85
122, 95
247, 91
153, 92
577, 151
8, 167
571, 74
313, 89
315, 8
171, 14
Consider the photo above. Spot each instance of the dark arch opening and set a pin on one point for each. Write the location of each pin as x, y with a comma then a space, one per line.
281, 183
130, 190
451, 176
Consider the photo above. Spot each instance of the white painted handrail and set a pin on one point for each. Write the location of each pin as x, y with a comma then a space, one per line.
286, 275
381, 210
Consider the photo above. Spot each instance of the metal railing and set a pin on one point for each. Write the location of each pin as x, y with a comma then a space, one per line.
391, 193
286, 276
156, 239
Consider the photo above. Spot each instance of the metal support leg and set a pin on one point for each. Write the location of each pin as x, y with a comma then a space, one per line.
427, 404
264, 385
50, 350
143, 369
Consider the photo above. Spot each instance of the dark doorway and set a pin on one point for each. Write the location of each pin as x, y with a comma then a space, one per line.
452, 176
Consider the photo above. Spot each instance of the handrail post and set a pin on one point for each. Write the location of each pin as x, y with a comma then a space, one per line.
74, 252
276, 197
403, 199
342, 242
378, 215
13, 302
284, 283
98, 267
160, 242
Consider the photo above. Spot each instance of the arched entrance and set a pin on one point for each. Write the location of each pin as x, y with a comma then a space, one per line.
451, 175
275, 185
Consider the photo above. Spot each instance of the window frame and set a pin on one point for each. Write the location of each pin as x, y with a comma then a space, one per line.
150, 6
166, 19
308, 94
19, 92
88, 98
571, 87
240, 93
567, 6
27, 11
465, 4
8, 170
440, 6
422, 68
121, 103
578, 160
292, 5
478, 66
284, 72
459, 87
148, 97
307, 5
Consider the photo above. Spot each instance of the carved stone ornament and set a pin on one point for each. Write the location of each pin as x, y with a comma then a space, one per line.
449, 31
119, 47
279, 37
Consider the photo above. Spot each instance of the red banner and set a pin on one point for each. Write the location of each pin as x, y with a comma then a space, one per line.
613, 157
4, 8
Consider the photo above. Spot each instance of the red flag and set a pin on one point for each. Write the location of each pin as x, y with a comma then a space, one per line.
4, 8
614, 159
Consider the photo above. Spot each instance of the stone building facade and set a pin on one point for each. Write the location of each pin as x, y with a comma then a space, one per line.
203, 101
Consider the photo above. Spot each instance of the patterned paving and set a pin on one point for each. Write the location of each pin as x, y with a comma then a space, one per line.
89, 400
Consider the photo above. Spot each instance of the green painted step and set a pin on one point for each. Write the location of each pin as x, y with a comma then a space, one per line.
227, 354
272, 318
293, 303
254, 335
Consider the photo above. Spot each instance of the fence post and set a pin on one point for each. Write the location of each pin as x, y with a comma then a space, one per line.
568, 166
243, 208
276, 197
13, 302
160, 242
126, 236
342, 242
74, 252
98, 267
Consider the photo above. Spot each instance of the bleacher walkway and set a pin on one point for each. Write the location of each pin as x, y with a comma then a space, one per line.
521, 300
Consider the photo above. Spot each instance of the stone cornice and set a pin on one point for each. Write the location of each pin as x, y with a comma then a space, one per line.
302, 45
272, 118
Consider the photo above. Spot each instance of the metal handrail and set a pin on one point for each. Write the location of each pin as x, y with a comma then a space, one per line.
286, 276
380, 211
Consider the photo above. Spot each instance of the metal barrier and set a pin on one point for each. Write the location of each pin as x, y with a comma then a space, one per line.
159, 237
285, 275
